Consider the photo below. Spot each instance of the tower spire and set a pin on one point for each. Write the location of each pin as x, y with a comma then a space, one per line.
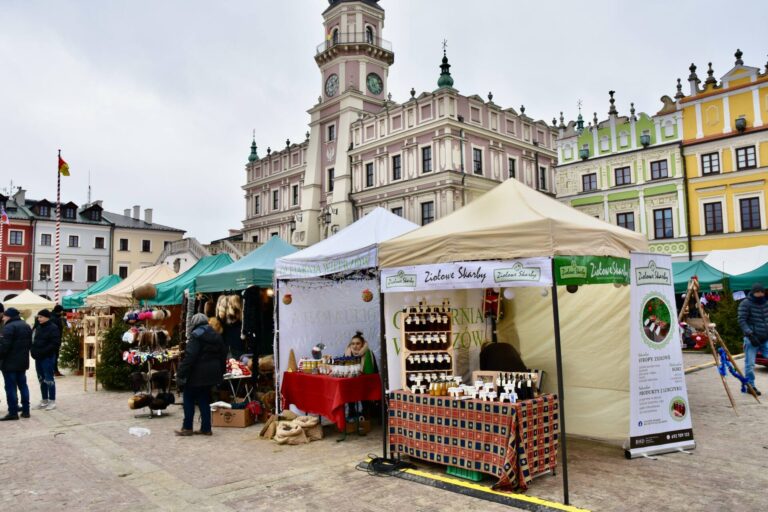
445, 79
254, 156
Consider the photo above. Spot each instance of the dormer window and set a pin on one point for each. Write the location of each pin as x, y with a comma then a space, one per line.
94, 215
43, 211
69, 213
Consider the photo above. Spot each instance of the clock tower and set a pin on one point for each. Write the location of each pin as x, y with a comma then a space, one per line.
354, 64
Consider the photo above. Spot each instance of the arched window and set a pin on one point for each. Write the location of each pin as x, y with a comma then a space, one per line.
369, 34
335, 36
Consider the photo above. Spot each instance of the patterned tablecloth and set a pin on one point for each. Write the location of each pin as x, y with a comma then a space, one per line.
513, 442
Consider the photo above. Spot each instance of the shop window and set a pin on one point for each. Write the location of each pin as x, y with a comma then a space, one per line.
369, 174
45, 240
589, 182
15, 237
662, 223
66, 272
397, 170
295, 195
45, 271
750, 213
659, 170
542, 178
512, 164
626, 220
330, 180
93, 272
122, 271
477, 161
710, 163
146, 246
746, 158
123, 244
713, 217
14, 271
427, 213
623, 176
98, 242
398, 211
426, 159
74, 241
275, 199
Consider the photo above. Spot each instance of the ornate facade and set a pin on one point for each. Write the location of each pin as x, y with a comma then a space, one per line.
422, 158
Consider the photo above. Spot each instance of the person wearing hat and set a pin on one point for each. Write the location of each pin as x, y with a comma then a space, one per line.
45, 346
753, 320
14, 354
57, 316
202, 367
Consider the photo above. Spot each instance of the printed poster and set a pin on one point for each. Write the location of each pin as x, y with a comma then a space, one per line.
660, 415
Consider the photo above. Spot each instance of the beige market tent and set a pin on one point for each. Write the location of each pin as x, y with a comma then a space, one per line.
515, 221
120, 295
28, 304
510, 221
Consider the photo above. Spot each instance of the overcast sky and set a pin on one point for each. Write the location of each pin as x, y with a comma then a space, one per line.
158, 98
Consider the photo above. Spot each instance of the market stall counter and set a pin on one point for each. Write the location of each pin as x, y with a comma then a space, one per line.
512, 441
326, 395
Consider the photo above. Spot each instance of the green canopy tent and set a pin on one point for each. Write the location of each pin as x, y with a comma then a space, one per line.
746, 280
708, 275
172, 291
78, 300
255, 269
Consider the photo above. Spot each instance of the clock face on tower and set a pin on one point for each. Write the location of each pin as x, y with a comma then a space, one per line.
375, 84
332, 85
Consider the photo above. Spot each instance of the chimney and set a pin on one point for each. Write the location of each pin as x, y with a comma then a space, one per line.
136, 212
20, 196
148, 215
127, 212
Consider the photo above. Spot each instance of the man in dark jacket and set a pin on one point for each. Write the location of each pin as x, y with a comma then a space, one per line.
14, 354
57, 316
203, 367
45, 347
753, 320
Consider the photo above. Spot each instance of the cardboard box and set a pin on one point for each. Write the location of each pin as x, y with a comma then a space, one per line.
238, 418
364, 426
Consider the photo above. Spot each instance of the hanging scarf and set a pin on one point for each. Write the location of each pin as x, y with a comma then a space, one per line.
725, 364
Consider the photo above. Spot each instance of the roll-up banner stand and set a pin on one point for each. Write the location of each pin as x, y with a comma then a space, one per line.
660, 415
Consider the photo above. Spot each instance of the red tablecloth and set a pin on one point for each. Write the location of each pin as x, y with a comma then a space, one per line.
513, 442
324, 395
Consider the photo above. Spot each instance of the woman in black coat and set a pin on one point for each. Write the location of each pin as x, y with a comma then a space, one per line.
202, 368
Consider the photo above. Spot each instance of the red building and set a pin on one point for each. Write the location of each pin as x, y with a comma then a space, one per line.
16, 252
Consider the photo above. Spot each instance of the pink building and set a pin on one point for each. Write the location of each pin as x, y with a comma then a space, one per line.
422, 158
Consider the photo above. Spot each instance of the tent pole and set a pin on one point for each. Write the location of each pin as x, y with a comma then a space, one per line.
276, 343
384, 374
560, 385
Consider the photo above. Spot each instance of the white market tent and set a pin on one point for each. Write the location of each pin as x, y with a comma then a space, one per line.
120, 295
515, 221
738, 261
335, 305
28, 304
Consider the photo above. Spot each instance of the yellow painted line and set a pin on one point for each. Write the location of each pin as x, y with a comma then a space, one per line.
482, 488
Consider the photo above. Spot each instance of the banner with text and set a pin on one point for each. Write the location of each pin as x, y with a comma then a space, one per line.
580, 270
466, 275
292, 268
660, 415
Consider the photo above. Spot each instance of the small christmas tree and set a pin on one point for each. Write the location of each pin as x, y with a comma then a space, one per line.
725, 317
111, 370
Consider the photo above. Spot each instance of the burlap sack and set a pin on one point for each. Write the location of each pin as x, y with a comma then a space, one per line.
290, 433
311, 425
314, 433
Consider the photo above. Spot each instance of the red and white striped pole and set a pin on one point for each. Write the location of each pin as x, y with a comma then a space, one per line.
58, 232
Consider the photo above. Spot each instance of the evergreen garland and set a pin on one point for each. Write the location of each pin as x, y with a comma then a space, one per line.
112, 372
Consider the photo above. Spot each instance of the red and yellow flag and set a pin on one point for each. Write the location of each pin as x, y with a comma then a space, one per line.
63, 167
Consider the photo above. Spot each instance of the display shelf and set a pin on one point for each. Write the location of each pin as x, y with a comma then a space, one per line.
426, 330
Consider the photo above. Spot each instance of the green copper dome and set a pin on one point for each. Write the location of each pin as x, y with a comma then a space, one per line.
254, 155
445, 79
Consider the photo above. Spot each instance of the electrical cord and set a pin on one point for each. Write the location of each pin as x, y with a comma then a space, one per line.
380, 466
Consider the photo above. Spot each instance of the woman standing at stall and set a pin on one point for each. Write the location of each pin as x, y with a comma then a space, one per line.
202, 368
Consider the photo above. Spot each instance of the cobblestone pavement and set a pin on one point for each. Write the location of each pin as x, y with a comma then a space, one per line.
81, 457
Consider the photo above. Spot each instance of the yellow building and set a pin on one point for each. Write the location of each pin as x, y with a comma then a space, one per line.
136, 242
725, 148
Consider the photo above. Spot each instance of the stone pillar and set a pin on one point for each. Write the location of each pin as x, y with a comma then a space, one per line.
681, 207
643, 216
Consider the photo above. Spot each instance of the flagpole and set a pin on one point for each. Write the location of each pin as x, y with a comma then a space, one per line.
58, 231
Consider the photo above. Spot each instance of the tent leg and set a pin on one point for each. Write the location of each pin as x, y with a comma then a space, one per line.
384, 376
276, 344
560, 386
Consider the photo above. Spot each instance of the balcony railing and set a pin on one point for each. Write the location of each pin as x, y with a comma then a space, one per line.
354, 38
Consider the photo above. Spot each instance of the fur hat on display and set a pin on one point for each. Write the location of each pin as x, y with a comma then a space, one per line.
221, 308
216, 324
